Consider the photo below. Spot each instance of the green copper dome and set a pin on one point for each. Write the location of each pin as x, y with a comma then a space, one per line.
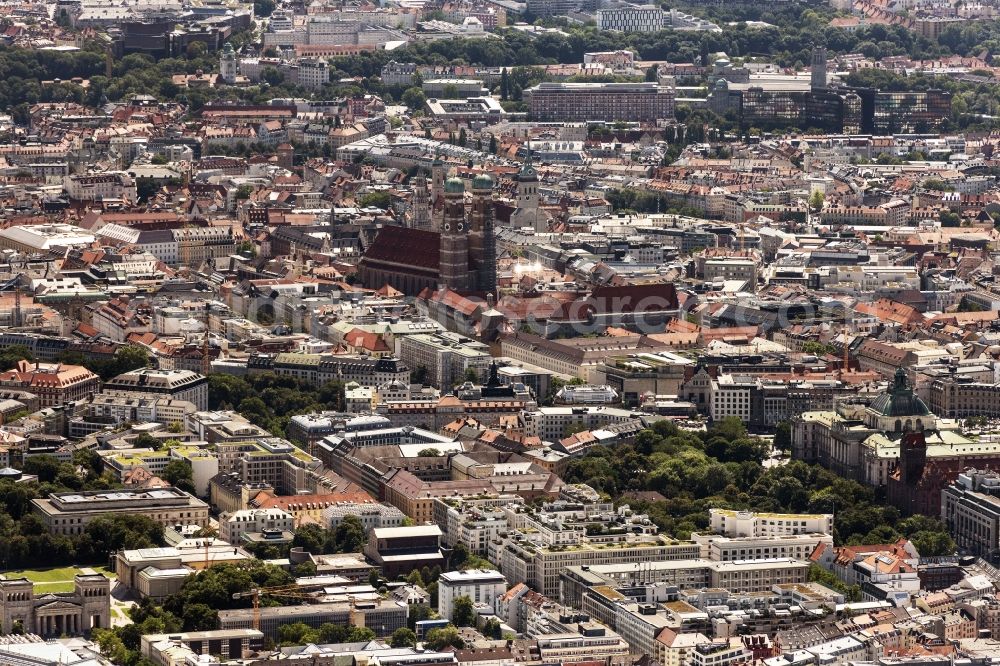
900, 400
454, 186
482, 182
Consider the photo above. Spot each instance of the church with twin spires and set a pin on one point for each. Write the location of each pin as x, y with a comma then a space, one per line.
446, 243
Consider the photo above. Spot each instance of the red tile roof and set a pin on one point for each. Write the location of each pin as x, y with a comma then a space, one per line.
406, 247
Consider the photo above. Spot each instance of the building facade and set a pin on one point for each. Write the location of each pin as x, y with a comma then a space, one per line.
69, 513
610, 102
50, 615
481, 586
970, 509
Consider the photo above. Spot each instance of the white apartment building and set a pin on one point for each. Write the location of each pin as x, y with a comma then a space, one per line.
727, 549
327, 30
476, 522
358, 399
587, 394
720, 653
749, 524
730, 396
842, 650
632, 18
371, 514
731, 268
674, 647
551, 423
233, 526
446, 357
279, 20
93, 187
596, 644
481, 586
639, 625
313, 73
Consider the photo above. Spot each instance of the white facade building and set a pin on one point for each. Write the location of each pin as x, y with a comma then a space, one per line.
233, 526
748, 524
481, 586
632, 18
730, 396
371, 514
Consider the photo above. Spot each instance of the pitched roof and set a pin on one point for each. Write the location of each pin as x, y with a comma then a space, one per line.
406, 247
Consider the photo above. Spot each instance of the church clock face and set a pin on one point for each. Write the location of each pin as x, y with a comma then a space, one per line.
460, 226
447, 226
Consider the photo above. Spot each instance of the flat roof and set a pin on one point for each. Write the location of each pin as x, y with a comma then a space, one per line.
408, 531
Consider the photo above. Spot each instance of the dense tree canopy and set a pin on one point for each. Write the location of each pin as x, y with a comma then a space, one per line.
209, 591
269, 400
722, 468
179, 473
25, 542
125, 359
299, 633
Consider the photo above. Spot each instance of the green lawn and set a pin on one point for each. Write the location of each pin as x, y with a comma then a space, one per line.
53, 580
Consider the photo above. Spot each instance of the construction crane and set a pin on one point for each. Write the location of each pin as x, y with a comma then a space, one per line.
846, 364
279, 592
15, 284
206, 364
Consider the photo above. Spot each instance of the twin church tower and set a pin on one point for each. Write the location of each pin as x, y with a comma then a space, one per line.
445, 243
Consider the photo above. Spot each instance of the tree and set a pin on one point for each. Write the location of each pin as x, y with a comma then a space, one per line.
403, 637
272, 76
146, 441
462, 559
312, 538
360, 635
493, 145
463, 612
214, 587
263, 8
438, 639
146, 188
349, 535
45, 467
816, 200
414, 98
195, 50
783, 436
472, 375
200, 617
375, 199
428, 453
179, 474
818, 348
817, 574
126, 359
493, 629
243, 192
418, 613
504, 85
462, 138
113, 532
950, 219
11, 355
933, 544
